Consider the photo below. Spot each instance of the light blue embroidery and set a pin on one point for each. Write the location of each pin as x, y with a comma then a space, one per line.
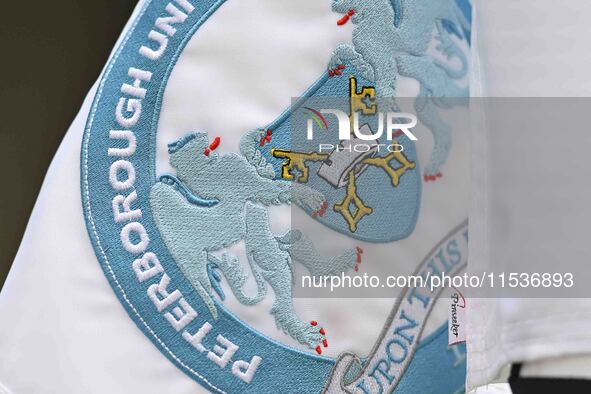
391, 38
303, 251
229, 187
397, 12
395, 209
193, 199
283, 369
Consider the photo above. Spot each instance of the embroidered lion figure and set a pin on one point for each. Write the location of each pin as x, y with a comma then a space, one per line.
391, 38
217, 200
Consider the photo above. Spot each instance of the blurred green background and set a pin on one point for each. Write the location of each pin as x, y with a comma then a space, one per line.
52, 52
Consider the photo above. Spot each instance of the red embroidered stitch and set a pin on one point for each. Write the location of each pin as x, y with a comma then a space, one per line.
359, 253
212, 146
321, 331
346, 17
432, 177
336, 71
266, 138
321, 211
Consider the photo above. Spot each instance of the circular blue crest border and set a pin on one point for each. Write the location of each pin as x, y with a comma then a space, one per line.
283, 368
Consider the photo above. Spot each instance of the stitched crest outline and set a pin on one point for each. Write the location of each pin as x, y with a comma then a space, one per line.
147, 233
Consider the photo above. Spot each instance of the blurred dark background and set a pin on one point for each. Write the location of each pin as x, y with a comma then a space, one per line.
52, 52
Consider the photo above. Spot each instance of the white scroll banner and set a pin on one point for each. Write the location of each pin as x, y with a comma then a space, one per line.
400, 336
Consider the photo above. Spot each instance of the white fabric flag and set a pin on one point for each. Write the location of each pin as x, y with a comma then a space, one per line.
113, 288
521, 207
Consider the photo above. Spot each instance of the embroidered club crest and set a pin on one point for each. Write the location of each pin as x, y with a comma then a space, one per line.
162, 239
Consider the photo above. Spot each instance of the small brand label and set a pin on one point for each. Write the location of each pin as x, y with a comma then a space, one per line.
456, 318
